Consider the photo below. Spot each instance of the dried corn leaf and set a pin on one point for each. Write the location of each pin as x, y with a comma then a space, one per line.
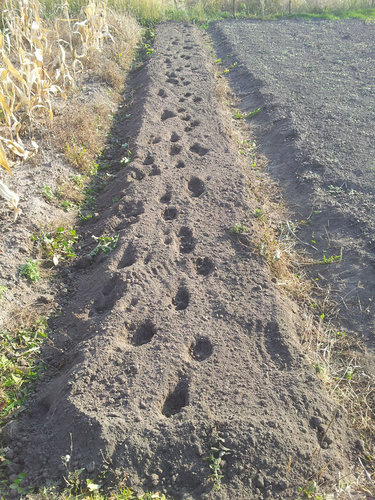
3, 160
9, 196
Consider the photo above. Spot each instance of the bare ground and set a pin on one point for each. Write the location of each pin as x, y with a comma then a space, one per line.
179, 342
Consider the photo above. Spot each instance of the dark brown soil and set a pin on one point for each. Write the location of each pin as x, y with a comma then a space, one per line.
314, 83
178, 341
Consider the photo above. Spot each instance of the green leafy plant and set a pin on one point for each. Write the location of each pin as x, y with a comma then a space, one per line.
215, 458
47, 193
105, 244
309, 491
331, 259
238, 229
3, 290
57, 245
16, 485
19, 363
30, 270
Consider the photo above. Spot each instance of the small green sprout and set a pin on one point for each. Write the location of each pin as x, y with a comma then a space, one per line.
30, 270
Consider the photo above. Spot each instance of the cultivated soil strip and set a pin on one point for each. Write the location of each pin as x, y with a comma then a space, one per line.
313, 82
178, 343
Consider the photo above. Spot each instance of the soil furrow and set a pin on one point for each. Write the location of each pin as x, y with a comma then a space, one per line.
178, 342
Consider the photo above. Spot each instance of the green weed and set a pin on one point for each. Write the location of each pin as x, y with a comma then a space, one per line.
30, 270
19, 364
3, 290
331, 259
47, 193
238, 229
57, 245
215, 458
105, 244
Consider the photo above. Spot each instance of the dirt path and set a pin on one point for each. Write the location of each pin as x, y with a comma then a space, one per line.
178, 342
313, 81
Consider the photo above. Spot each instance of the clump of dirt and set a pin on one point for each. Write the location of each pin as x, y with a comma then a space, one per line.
177, 343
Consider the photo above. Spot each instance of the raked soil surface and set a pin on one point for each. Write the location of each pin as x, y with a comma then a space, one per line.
179, 342
314, 82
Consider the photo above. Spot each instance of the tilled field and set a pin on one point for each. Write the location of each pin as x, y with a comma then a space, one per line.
178, 343
314, 83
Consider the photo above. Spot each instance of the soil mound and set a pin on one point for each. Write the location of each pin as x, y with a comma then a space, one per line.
177, 345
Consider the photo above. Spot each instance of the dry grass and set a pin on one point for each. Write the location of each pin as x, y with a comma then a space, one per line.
43, 61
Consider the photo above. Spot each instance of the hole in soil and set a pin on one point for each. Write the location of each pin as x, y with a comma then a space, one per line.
129, 258
149, 160
197, 99
156, 140
188, 94
181, 99
196, 186
162, 93
180, 164
204, 266
167, 61
144, 333
155, 171
201, 349
175, 150
181, 110
181, 301
186, 118
175, 137
177, 399
175, 42
133, 209
170, 74
186, 83
199, 150
170, 213
195, 123
173, 81
187, 65
166, 198
134, 173
187, 243
167, 113
188, 47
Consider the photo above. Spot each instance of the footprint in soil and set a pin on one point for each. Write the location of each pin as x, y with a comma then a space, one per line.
170, 213
129, 258
198, 149
155, 171
177, 398
109, 295
144, 333
204, 266
196, 187
175, 150
166, 198
187, 242
167, 114
276, 346
133, 208
201, 349
182, 298
175, 137
149, 160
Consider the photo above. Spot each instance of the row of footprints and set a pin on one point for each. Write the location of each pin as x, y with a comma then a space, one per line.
114, 288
